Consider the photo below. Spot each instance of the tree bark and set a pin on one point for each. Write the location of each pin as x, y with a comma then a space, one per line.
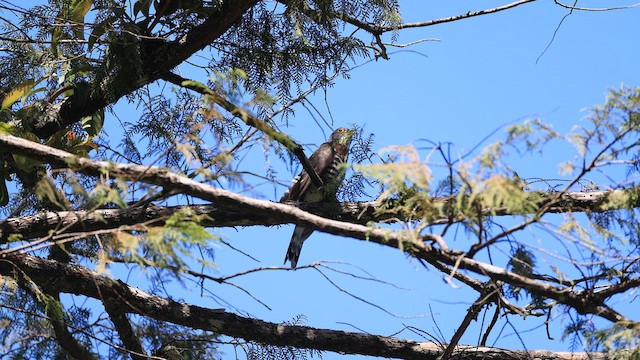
78, 280
158, 57
582, 301
38, 225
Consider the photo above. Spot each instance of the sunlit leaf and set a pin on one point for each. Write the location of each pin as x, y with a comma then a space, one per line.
16, 94
78, 10
196, 85
6, 129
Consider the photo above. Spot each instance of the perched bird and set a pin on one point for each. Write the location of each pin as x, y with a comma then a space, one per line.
326, 161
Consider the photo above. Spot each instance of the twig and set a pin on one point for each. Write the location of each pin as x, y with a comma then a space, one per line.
472, 313
595, 9
453, 18
162, 177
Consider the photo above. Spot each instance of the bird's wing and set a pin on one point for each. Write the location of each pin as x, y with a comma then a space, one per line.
319, 160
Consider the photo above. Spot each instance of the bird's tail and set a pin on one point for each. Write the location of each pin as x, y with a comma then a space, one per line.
300, 234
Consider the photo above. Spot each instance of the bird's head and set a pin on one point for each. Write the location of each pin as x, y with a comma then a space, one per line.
342, 136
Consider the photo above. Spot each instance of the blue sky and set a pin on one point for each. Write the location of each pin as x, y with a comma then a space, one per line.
484, 72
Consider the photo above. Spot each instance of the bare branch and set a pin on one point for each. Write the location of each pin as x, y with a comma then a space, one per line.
377, 30
455, 18
595, 9
81, 281
472, 314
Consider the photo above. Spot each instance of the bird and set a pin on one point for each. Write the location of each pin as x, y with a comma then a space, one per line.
326, 161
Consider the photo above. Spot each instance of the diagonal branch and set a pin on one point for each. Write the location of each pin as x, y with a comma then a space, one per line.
128, 337
377, 30
158, 57
454, 18
81, 281
619, 288
250, 120
472, 314
397, 239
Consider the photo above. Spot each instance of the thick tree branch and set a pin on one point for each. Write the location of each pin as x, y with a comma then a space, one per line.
39, 225
49, 300
582, 303
81, 281
122, 325
158, 57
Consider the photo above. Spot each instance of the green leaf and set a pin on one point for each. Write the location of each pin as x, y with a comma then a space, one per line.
46, 190
22, 92
55, 37
78, 10
6, 129
74, 13
24, 163
16, 94
93, 124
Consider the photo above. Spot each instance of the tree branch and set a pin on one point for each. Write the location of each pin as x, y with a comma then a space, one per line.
397, 239
158, 57
49, 299
472, 314
39, 225
377, 30
81, 281
127, 336
573, 7
454, 18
